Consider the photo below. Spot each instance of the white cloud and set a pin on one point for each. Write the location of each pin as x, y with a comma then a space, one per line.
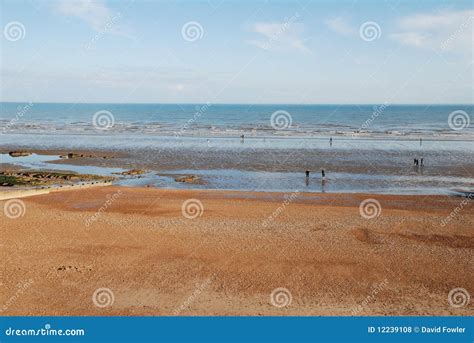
280, 36
410, 38
339, 25
179, 87
450, 30
94, 12
431, 21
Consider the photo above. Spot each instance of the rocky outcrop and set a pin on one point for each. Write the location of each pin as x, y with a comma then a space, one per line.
131, 172
37, 178
19, 153
71, 155
188, 179
79, 155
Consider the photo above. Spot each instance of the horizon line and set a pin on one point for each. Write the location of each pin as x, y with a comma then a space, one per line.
233, 103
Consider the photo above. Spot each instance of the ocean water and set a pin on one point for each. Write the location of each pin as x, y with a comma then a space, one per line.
211, 120
371, 151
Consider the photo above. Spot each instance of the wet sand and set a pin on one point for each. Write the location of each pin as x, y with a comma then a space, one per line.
137, 243
353, 160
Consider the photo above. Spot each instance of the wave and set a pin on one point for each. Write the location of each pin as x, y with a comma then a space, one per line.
248, 129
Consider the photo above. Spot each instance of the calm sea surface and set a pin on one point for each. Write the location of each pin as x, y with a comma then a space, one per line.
224, 120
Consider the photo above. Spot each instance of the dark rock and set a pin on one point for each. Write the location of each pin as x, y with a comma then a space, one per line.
131, 172
187, 178
73, 155
19, 153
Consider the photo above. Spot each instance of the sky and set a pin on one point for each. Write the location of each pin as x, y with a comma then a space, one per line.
298, 52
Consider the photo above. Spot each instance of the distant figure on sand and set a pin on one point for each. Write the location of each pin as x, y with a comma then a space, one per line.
323, 174
330, 141
415, 162
307, 173
242, 138
421, 141
421, 161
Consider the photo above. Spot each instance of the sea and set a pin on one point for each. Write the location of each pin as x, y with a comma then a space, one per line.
362, 148
397, 121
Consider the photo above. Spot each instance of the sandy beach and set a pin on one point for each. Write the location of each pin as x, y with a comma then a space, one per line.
154, 258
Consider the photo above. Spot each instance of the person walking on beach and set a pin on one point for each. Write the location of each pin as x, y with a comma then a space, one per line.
421, 141
421, 161
330, 141
307, 173
323, 180
242, 138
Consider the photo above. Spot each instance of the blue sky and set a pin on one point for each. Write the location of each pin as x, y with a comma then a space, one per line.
237, 52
